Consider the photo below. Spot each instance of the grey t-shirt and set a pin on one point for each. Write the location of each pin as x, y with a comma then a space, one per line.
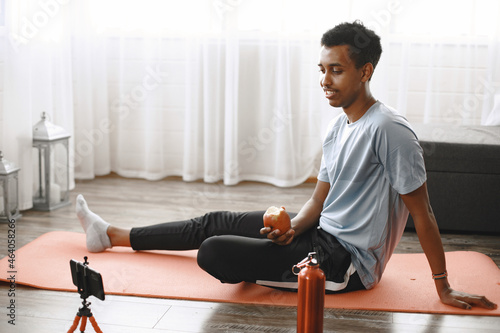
368, 164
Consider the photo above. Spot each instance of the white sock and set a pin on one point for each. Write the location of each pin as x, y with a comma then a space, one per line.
95, 227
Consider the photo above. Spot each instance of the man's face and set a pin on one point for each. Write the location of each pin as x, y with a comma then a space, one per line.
340, 79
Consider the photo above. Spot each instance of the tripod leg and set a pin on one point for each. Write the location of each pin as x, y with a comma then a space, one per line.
75, 324
84, 324
94, 325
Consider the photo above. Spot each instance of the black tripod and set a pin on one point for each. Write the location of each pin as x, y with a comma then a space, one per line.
89, 283
84, 313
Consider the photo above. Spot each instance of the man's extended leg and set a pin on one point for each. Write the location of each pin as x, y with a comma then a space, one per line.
182, 235
190, 234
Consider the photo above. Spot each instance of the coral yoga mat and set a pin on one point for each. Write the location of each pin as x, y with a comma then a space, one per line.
405, 287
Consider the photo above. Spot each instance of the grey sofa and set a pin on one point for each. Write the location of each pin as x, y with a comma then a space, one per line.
463, 176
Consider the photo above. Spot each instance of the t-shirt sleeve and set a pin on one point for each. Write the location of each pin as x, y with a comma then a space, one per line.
323, 173
402, 157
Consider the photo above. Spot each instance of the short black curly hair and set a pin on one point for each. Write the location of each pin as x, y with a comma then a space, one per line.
364, 44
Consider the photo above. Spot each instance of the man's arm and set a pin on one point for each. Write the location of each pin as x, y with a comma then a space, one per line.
306, 218
420, 209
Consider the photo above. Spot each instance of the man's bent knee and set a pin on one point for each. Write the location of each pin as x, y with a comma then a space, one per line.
212, 256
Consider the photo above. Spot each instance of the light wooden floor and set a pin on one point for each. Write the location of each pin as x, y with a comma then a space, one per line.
127, 202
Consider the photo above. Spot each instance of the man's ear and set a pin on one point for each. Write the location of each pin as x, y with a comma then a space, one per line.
367, 72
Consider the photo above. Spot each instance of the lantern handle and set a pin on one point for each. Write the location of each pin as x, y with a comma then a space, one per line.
46, 116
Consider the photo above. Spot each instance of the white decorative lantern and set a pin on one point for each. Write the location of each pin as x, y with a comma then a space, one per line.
51, 186
9, 189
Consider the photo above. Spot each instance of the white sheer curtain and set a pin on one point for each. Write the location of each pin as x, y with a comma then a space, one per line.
204, 95
226, 89
36, 77
92, 123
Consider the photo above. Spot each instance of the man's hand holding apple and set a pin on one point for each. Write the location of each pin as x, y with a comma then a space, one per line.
277, 226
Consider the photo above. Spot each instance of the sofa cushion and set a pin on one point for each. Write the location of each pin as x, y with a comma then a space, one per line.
462, 149
461, 157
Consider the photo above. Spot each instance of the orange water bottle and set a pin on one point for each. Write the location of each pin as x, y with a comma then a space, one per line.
311, 295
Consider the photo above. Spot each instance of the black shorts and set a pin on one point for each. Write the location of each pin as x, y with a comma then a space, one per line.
232, 250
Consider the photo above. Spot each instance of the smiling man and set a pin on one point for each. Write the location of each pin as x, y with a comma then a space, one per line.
373, 171
372, 176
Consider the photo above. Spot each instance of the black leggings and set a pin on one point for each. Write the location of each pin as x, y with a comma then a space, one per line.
232, 250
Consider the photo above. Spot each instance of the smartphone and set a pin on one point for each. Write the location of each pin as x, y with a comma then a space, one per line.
87, 280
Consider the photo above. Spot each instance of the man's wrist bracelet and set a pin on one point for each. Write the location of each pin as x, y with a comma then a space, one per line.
440, 276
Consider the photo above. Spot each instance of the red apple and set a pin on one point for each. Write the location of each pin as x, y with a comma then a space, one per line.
277, 218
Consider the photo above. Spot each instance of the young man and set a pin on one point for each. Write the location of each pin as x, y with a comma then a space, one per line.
372, 174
